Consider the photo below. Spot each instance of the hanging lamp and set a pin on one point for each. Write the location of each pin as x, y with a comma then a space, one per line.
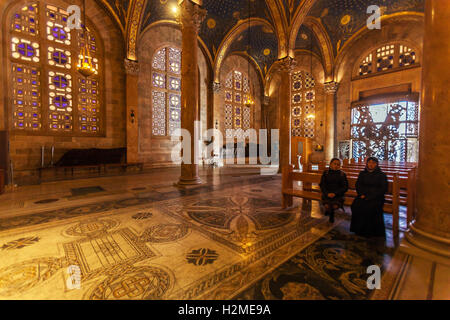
85, 66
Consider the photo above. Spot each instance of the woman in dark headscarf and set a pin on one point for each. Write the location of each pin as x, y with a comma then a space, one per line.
367, 208
333, 185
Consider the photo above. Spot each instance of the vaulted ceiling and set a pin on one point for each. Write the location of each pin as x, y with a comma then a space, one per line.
263, 30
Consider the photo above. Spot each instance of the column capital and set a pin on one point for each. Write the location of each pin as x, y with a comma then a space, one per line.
331, 87
266, 100
191, 14
131, 67
287, 64
217, 87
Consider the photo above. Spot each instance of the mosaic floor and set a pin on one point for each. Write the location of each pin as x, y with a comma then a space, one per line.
139, 237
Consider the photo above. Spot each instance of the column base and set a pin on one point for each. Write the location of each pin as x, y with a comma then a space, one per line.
426, 242
188, 182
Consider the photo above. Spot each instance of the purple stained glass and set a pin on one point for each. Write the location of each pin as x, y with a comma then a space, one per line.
19, 69
55, 117
64, 19
94, 128
35, 125
83, 81
20, 91
34, 104
17, 16
83, 127
83, 118
94, 120
238, 110
297, 85
296, 122
94, 82
67, 126
20, 102
228, 96
94, 101
59, 57
34, 82
52, 15
31, 8
84, 109
20, 114
93, 47
309, 95
59, 33
238, 98
67, 117
32, 20
296, 111
55, 126
34, 93
35, 115
94, 110
20, 80
26, 50
238, 85
32, 30
20, 124
238, 122
94, 91
17, 26
61, 102
33, 71
60, 82
83, 90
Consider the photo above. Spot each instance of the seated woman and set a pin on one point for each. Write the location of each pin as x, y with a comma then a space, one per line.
333, 185
367, 208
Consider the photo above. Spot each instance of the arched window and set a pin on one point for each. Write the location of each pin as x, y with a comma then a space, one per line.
49, 96
387, 57
166, 91
303, 98
238, 115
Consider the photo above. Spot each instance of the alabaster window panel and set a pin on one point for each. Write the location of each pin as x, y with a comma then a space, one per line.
238, 115
387, 57
49, 96
303, 99
166, 91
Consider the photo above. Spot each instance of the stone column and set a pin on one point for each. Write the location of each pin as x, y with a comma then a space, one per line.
330, 91
190, 18
431, 228
132, 70
286, 66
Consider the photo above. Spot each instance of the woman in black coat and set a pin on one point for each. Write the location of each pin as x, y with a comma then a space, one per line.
367, 208
333, 185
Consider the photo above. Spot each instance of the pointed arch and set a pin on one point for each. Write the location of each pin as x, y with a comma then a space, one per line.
299, 18
231, 36
279, 20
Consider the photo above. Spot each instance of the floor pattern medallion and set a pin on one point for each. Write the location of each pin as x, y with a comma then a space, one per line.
164, 233
202, 256
148, 282
20, 243
142, 215
23, 276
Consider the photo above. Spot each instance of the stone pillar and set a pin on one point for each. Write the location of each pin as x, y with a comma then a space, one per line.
431, 228
191, 16
330, 91
286, 66
132, 71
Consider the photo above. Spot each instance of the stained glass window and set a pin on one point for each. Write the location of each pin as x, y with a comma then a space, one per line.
42, 55
387, 57
238, 115
303, 97
387, 131
166, 91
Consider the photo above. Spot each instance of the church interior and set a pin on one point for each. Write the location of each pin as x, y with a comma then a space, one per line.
100, 198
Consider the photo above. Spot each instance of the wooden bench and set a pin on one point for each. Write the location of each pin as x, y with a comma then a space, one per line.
308, 178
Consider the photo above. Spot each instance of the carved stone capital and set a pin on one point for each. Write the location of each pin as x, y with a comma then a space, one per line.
217, 87
287, 64
131, 67
331, 87
266, 100
191, 15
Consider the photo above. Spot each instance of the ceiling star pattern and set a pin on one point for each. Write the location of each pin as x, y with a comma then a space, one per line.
260, 43
303, 41
343, 18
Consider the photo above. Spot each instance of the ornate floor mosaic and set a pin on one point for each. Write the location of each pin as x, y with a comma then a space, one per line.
215, 241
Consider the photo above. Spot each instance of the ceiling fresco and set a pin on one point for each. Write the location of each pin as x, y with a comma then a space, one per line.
340, 19
259, 42
343, 18
303, 41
